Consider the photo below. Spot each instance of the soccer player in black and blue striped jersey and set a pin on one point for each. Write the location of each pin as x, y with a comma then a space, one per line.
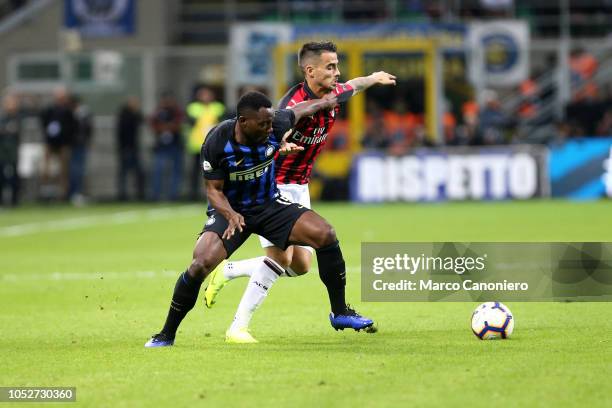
238, 164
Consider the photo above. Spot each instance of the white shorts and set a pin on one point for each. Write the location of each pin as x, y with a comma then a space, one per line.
296, 193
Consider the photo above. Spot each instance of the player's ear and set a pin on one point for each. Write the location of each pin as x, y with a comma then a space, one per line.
309, 70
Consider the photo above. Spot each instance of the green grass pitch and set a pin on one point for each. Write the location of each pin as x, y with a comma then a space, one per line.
81, 290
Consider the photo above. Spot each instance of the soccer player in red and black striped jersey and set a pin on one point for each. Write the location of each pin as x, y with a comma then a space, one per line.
319, 64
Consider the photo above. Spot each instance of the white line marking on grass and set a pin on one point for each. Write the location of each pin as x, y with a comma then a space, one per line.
123, 217
77, 276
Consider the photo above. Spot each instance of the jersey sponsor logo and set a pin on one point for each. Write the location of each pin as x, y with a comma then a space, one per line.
206, 165
252, 173
318, 138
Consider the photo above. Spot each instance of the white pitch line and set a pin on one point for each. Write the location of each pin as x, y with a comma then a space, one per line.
86, 276
122, 217
76, 276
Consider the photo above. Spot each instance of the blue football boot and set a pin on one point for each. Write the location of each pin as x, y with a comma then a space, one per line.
160, 340
352, 320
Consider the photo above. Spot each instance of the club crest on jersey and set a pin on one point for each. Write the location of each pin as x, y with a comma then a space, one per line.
206, 166
269, 151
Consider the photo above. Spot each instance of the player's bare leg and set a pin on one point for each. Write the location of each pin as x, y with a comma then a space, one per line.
280, 256
312, 230
296, 260
301, 260
207, 254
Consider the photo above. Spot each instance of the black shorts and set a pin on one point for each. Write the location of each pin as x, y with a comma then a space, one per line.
273, 221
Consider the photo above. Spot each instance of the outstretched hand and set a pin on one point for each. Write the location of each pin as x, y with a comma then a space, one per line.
383, 78
289, 148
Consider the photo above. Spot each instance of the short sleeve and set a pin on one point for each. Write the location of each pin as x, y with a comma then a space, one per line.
343, 87
344, 91
210, 156
284, 120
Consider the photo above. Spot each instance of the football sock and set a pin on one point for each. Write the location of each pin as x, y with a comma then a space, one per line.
183, 299
289, 273
261, 281
237, 269
332, 272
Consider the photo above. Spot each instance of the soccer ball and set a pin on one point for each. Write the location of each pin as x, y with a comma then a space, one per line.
492, 320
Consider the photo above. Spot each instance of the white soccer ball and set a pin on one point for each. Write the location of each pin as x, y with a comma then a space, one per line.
492, 320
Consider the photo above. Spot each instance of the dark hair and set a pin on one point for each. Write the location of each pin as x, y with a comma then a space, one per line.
252, 101
316, 48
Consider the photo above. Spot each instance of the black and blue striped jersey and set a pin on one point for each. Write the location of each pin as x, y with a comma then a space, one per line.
247, 171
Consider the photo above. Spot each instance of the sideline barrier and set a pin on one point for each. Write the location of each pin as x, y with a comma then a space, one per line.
582, 169
453, 173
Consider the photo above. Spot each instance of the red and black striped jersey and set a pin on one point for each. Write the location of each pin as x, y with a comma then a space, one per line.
310, 132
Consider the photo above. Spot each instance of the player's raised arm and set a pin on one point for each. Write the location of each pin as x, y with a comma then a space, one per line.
377, 78
288, 147
218, 200
308, 108
298, 111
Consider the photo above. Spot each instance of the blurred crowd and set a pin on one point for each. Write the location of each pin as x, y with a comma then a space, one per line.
171, 170
67, 129
486, 120
399, 130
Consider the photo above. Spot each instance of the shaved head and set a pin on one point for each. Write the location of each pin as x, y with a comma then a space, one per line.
319, 64
311, 51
